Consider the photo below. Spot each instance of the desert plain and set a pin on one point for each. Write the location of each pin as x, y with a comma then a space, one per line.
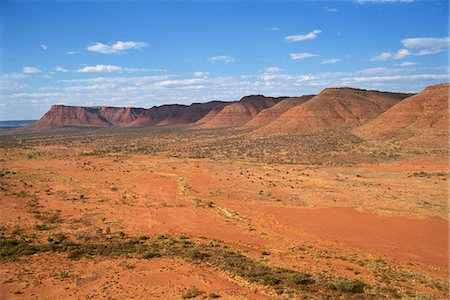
171, 212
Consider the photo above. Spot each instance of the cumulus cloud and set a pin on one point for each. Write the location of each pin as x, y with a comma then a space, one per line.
272, 70
330, 61
118, 47
303, 55
71, 52
223, 58
100, 69
30, 70
303, 37
44, 47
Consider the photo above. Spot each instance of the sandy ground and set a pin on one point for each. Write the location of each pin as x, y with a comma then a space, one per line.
361, 222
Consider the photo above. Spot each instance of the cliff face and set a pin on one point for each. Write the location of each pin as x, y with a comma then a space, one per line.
157, 114
72, 116
333, 108
192, 113
104, 116
120, 116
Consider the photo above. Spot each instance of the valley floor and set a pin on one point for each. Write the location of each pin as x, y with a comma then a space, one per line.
182, 220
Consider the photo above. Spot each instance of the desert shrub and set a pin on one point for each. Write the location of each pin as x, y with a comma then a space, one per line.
301, 278
22, 194
75, 254
16, 230
151, 254
11, 249
213, 296
192, 292
43, 227
349, 286
271, 280
56, 238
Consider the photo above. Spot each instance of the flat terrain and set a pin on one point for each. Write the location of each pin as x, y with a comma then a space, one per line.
154, 213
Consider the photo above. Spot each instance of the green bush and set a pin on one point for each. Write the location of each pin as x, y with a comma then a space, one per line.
151, 254
192, 292
271, 280
301, 278
349, 286
213, 296
75, 254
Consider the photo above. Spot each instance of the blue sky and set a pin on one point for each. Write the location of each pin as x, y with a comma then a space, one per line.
145, 53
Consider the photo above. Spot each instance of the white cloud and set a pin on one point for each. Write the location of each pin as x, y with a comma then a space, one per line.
118, 47
378, 71
100, 69
303, 37
200, 74
402, 53
192, 87
44, 47
167, 83
303, 55
224, 58
406, 64
141, 80
331, 9
30, 70
71, 52
395, 78
272, 70
60, 69
426, 45
8, 85
112, 69
330, 61
146, 91
381, 57
274, 28
417, 47
14, 76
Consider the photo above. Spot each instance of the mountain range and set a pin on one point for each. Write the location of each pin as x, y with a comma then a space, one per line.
366, 113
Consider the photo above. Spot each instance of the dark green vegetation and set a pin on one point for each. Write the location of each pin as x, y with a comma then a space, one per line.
215, 254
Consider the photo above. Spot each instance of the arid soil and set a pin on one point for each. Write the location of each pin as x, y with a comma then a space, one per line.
80, 223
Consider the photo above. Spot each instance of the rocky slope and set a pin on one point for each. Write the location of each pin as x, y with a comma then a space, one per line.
268, 115
419, 118
239, 113
333, 108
